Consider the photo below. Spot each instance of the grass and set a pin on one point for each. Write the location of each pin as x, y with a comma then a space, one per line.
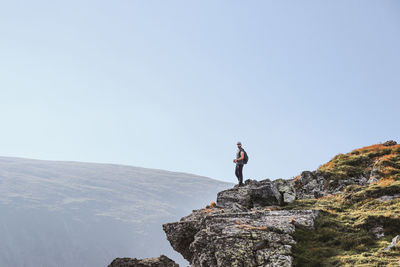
384, 160
342, 234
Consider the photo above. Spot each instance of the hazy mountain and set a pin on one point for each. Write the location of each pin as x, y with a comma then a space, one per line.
85, 214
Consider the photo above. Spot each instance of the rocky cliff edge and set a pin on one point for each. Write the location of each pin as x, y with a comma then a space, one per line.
258, 224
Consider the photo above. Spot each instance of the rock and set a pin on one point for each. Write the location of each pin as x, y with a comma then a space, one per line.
311, 185
373, 175
181, 235
241, 230
162, 261
387, 198
306, 177
395, 243
261, 245
363, 181
252, 194
315, 185
390, 143
259, 237
286, 189
288, 197
378, 232
236, 207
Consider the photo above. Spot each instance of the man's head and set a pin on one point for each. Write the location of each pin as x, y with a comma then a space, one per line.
239, 144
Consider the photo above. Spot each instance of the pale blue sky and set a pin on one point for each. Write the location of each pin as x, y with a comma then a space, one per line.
174, 84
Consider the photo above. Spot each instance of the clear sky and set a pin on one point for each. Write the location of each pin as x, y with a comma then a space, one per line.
174, 84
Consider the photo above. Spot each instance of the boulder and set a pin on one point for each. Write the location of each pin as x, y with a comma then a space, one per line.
162, 261
378, 231
286, 189
252, 194
181, 235
259, 237
311, 185
388, 198
394, 244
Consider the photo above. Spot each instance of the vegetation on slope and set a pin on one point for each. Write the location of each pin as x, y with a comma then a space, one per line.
343, 233
379, 160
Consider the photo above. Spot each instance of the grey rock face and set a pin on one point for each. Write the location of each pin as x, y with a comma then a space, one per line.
315, 185
253, 194
395, 243
388, 198
255, 238
310, 185
378, 232
243, 230
162, 261
372, 180
286, 189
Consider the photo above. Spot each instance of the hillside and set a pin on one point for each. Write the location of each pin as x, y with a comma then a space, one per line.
355, 226
85, 214
345, 213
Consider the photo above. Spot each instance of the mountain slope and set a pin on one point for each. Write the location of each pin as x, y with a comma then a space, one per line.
86, 214
357, 224
346, 213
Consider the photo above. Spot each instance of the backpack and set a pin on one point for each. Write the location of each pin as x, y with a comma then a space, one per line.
246, 158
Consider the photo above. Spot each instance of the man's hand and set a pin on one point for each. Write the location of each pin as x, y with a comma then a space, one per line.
235, 160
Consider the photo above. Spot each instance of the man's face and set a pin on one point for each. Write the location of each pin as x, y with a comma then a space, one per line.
239, 145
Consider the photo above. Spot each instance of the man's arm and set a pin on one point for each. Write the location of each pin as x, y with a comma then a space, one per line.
241, 157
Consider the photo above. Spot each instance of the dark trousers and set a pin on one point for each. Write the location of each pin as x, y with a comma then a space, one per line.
239, 172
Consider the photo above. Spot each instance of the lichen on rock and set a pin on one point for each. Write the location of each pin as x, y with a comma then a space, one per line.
162, 261
254, 235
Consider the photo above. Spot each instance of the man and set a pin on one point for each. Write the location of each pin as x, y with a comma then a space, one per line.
239, 163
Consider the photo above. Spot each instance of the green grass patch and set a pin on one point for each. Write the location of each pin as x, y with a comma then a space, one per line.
342, 234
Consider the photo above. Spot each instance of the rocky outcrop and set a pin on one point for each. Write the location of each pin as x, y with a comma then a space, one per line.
286, 189
255, 238
280, 192
315, 184
247, 226
390, 143
162, 261
254, 194
242, 229
252, 225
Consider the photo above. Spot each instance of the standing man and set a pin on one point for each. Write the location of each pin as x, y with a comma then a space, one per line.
239, 163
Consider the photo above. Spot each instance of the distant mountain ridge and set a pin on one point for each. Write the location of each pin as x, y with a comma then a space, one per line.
57, 213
